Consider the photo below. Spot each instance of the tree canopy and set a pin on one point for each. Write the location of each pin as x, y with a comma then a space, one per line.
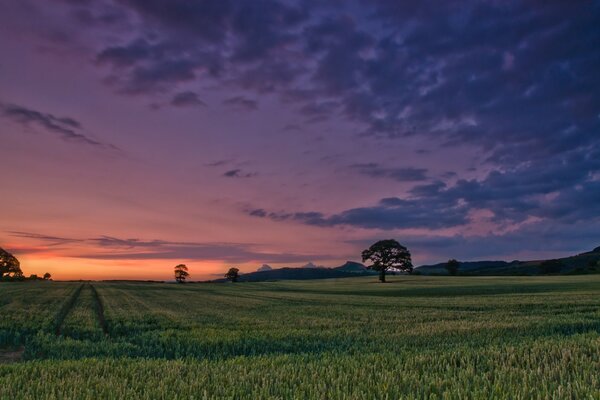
10, 267
452, 266
233, 274
181, 273
386, 255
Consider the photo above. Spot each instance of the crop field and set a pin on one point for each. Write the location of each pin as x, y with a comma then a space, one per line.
415, 338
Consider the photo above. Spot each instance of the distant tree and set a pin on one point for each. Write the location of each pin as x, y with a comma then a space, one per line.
233, 274
551, 266
452, 266
9, 266
181, 273
33, 277
47, 276
387, 254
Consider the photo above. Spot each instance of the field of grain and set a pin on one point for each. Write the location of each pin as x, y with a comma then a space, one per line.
415, 337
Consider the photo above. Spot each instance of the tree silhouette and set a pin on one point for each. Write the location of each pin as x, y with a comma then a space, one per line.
452, 266
233, 274
387, 254
47, 276
181, 273
9, 266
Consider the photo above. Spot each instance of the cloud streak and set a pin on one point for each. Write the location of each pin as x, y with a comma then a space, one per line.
66, 128
406, 174
187, 99
565, 192
238, 173
114, 248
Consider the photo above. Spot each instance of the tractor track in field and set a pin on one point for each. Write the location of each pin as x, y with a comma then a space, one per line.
65, 309
99, 306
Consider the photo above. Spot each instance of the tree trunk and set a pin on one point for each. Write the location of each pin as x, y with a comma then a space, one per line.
382, 276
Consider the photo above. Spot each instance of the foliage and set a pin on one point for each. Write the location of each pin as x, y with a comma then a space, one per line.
9, 266
500, 337
387, 254
181, 273
47, 276
233, 274
452, 266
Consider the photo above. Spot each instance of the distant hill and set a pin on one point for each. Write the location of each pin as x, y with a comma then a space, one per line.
311, 265
310, 272
354, 267
292, 274
469, 267
265, 267
588, 262
593, 252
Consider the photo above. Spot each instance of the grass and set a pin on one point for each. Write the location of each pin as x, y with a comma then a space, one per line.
415, 337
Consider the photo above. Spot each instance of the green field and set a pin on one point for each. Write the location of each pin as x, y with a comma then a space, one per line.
415, 337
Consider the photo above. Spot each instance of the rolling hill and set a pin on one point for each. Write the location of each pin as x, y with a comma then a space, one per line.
350, 268
587, 262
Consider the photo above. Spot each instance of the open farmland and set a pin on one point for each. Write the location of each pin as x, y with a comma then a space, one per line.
416, 337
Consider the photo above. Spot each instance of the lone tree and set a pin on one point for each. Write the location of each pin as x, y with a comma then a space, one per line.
181, 273
233, 274
47, 276
387, 254
9, 266
452, 266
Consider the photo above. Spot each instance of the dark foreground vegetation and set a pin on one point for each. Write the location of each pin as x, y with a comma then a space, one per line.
414, 337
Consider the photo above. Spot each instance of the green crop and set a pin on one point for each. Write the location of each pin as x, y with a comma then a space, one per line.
415, 337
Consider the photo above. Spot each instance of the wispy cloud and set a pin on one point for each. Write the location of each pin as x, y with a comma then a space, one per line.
401, 174
187, 99
217, 163
114, 248
238, 173
66, 128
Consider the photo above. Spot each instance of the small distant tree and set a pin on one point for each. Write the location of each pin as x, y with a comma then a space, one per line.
386, 255
47, 276
33, 277
181, 273
551, 266
233, 274
10, 267
452, 266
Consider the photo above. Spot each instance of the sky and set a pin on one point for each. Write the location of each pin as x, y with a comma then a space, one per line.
139, 134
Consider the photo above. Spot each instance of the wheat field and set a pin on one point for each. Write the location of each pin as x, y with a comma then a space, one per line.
413, 338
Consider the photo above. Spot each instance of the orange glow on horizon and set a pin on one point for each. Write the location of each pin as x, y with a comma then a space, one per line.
65, 268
